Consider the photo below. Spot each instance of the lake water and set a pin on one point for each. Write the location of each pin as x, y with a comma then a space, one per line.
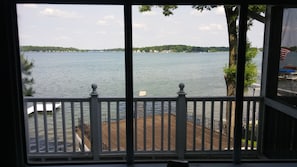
70, 74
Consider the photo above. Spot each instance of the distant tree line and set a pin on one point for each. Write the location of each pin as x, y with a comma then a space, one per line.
114, 49
294, 48
161, 48
48, 49
174, 48
181, 48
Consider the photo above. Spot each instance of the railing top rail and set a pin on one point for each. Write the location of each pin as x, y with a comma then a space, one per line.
111, 98
154, 98
137, 98
222, 98
55, 99
198, 98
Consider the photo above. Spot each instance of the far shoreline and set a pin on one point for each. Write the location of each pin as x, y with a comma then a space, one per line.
149, 49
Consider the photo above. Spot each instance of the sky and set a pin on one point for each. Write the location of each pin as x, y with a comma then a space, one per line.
102, 27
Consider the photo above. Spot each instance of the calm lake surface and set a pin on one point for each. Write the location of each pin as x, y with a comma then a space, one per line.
70, 74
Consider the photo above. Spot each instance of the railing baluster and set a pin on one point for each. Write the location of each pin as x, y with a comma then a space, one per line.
203, 126
118, 125
36, 128
26, 120
169, 125
45, 127
82, 127
153, 125
221, 124
64, 126
135, 125
73, 126
195, 124
162, 126
54, 125
211, 125
108, 126
144, 125
253, 125
247, 124
229, 123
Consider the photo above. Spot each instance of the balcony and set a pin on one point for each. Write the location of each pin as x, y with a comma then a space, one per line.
93, 129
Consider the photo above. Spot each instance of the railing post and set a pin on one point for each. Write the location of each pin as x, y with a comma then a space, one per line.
181, 118
95, 118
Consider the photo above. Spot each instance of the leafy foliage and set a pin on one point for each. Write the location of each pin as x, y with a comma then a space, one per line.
250, 68
27, 80
204, 7
166, 9
232, 12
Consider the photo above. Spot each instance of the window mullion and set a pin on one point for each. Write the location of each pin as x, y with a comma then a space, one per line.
129, 81
240, 70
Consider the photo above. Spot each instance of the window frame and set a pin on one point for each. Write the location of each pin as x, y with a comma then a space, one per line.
273, 30
12, 62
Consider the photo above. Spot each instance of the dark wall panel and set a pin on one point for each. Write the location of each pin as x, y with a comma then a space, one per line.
280, 135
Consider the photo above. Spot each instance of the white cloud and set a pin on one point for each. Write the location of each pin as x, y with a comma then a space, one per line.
139, 26
59, 13
62, 38
196, 13
211, 27
102, 22
59, 28
30, 5
101, 32
220, 10
24, 37
152, 25
120, 23
109, 17
106, 20
149, 13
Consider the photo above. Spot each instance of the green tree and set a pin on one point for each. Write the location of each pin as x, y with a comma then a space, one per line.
27, 80
232, 15
250, 74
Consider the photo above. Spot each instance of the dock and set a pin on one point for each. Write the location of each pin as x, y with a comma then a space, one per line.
160, 142
40, 107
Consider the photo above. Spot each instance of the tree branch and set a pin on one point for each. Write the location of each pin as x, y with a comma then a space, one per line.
256, 16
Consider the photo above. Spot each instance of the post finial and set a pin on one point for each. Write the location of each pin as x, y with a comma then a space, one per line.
181, 89
94, 92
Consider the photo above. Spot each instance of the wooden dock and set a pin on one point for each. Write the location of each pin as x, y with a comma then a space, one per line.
145, 132
40, 107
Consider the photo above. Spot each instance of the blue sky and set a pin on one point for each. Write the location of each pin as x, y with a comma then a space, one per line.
102, 27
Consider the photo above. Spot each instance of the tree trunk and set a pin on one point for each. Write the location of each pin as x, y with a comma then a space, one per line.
231, 17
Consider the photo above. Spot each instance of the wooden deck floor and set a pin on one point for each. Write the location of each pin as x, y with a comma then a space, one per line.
147, 135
